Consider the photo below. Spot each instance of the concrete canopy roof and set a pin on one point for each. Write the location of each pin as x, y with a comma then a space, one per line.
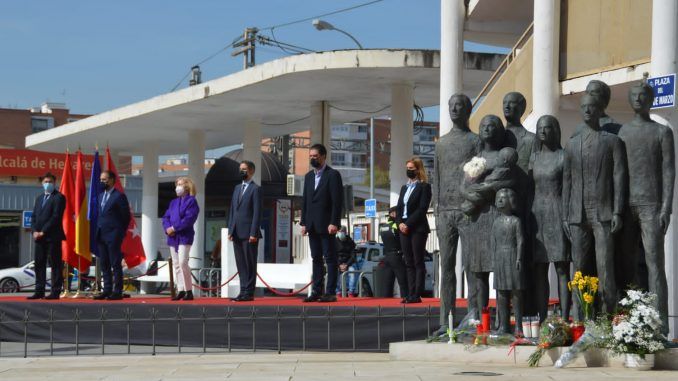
498, 22
278, 94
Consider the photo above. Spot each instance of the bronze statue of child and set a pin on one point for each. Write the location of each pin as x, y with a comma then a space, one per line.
508, 242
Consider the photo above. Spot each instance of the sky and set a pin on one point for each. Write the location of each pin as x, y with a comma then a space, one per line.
99, 55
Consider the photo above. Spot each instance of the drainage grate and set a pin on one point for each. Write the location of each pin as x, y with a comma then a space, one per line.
484, 374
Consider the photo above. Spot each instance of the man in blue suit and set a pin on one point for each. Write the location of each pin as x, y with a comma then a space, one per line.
243, 229
114, 217
320, 219
48, 233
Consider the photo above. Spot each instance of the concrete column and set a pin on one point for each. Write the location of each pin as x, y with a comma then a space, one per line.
545, 86
251, 147
402, 131
149, 206
664, 55
196, 171
321, 129
452, 15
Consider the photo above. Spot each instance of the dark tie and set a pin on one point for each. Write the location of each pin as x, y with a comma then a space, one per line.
44, 200
244, 187
104, 200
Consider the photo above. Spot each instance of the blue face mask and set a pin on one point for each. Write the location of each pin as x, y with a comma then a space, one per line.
48, 187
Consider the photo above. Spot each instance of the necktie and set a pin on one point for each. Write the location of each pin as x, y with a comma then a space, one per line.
104, 200
244, 187
44, 200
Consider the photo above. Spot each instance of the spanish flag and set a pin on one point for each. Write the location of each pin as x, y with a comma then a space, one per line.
82, 233
68, 220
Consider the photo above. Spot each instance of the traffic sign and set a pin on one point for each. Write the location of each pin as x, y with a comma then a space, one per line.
664, 90
26, 220
371, 208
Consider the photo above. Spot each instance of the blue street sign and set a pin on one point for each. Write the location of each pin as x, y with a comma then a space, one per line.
664, 91
26, 220
371, 208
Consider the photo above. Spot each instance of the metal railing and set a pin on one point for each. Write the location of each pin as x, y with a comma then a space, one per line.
504, 65
361, 277
225, 320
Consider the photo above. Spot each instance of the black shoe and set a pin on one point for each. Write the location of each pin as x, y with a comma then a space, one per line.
52, 296
115, 296
413, 300
102, 296
37, 295
189, 295
236, 298
180, 295
328, 298
245, 298
311, 298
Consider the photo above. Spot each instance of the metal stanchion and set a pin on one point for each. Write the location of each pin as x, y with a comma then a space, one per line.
171, 276
66, 293
78, 294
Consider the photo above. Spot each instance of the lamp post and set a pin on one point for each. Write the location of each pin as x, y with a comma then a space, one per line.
324, 25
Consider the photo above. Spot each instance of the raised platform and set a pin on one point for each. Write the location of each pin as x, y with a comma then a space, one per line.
364, 324
501, 355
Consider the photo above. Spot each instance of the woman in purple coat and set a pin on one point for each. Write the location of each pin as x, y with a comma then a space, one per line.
178, 224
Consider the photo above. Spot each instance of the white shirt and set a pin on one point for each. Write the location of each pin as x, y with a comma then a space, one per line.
318, 175
410, 188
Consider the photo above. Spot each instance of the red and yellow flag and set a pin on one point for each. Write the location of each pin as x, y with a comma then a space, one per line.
82, 233
68, 220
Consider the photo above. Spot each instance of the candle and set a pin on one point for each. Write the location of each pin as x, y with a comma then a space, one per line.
449, 320
527, 332
534, 328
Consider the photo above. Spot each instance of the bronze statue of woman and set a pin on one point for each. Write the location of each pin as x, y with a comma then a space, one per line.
550, 244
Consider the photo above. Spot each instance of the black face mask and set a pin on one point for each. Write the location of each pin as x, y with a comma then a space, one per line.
243, 175
103, 185
315, 163
411, 173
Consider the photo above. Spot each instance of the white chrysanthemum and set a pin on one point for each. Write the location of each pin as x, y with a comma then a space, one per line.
475, 167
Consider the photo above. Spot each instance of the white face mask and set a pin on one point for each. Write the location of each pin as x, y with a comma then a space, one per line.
180, 190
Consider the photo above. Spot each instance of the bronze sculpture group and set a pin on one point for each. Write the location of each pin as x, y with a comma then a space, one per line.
519, 201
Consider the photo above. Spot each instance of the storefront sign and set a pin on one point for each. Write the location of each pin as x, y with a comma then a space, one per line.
28, 163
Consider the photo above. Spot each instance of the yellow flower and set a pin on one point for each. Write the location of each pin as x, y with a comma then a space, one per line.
577, 276
569, 286
581, 284
588, 298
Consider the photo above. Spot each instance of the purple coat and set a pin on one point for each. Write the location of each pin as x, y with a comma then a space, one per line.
181, 214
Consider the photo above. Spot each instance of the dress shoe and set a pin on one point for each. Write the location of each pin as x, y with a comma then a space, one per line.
189, 295
245, 298
115, 296
180, 295
52, 296
413, 300
311, 298
328, 298
37, 295
101, 296
236, 298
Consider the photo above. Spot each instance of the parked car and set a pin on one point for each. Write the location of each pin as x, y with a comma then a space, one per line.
371, 254
22, 278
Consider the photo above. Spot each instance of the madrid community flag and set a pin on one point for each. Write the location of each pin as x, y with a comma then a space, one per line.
132, 248
68, 220
93, 201
82, 233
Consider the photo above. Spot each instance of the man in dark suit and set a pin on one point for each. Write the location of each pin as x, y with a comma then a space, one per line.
114, 217
243, 229
320, 219
48, 233
594, 195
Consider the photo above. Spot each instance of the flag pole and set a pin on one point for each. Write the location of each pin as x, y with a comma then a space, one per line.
66, 293
78, 294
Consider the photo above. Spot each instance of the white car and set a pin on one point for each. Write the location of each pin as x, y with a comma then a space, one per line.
17, 279
370, 255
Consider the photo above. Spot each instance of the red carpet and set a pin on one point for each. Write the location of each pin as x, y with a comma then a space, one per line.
262, 301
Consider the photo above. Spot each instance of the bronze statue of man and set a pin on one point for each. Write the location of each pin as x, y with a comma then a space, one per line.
651, 162
594, 195
453, 150
601, 90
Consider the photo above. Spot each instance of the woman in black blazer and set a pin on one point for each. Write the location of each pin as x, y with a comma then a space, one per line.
413, 203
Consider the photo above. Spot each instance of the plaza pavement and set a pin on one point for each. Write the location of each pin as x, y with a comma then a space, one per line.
289, 366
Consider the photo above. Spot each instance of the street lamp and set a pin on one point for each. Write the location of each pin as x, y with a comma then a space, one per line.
324, 25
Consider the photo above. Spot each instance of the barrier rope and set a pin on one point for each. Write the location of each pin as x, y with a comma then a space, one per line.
278, 293
86, 277
215, 287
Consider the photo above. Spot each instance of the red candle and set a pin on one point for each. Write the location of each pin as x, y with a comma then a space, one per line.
485, 319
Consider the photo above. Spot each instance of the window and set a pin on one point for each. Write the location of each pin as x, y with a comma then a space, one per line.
338, 158
358, 161
39, 123
362, 129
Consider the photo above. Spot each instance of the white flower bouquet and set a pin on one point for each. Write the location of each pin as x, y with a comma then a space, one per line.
637, 328
475, 168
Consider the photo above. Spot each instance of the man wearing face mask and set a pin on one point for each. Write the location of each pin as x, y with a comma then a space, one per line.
243, 229
346, 259
114, 217
48, 233
320, 218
